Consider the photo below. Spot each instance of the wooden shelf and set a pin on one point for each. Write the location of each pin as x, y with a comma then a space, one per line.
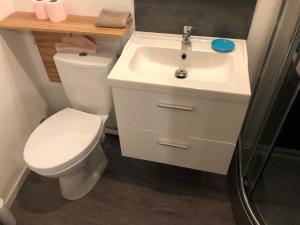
73, 24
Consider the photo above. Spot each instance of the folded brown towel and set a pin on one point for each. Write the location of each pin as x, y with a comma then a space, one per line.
113, 19
76, 39
76, 49
75, 43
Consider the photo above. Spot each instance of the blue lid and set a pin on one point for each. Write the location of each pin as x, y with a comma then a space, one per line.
223, 45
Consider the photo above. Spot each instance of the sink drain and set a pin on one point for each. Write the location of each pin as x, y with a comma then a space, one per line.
181, 73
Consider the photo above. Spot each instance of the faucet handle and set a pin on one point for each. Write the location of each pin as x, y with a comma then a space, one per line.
188, 29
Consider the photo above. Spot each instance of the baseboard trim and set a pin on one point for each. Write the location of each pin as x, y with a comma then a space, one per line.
9, 200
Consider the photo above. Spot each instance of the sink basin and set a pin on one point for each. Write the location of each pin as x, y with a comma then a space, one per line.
201, 66
149, 61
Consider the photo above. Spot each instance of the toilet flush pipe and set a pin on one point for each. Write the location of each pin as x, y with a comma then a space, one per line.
6, 217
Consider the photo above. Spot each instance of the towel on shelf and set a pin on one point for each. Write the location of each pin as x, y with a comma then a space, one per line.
69, 48
74, 43
113, 19
76, 39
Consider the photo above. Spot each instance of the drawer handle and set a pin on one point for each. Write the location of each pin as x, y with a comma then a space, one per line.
177, 107
173, 144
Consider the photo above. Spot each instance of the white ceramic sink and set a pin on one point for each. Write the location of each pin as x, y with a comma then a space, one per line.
201, 66
149, 62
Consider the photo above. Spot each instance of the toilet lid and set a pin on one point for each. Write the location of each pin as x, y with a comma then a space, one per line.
62, 140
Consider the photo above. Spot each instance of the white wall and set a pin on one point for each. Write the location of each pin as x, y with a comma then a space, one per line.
263, 23
21, 108
84, 7
53, 91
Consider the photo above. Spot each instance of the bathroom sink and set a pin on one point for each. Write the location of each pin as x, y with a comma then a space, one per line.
200, 66
149, 62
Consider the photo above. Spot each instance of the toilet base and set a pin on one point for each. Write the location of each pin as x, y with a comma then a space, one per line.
81, 180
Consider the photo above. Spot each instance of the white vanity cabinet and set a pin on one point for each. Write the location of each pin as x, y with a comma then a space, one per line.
191, 132
192, 122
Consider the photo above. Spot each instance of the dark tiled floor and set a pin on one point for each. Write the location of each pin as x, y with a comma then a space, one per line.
277, 193
131, 192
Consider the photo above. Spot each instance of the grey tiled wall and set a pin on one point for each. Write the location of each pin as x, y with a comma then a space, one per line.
221, 18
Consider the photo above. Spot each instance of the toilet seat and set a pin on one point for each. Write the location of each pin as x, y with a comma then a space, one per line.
62, 140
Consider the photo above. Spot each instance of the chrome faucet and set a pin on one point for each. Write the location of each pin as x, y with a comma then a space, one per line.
186, 36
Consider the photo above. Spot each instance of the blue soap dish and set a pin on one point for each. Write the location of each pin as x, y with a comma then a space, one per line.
223, 45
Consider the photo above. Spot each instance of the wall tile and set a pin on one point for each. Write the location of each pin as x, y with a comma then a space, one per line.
221, 18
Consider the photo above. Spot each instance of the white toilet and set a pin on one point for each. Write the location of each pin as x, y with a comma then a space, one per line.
66, 145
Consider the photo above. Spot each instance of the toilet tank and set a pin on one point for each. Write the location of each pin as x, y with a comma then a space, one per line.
83, 77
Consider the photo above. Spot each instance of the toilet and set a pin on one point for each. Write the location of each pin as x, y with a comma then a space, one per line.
66, 145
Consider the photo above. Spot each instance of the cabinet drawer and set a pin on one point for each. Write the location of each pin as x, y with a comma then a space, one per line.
188, 116
176, 150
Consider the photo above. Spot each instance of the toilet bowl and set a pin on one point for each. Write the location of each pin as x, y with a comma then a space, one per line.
67, 145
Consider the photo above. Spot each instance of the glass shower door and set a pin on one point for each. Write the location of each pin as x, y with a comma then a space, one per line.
275, 120
268, 169
272, 175
276, 196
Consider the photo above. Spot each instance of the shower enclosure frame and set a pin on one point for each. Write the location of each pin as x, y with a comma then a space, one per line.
273, 74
